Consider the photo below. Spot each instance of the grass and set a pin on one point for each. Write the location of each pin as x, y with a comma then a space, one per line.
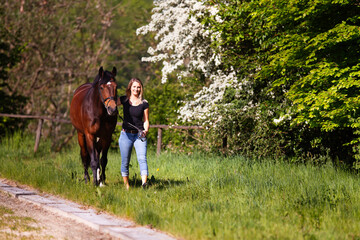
200, 196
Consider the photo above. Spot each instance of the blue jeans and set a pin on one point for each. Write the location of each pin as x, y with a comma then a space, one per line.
126, 143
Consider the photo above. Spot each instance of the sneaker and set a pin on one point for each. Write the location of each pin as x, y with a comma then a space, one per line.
144, 186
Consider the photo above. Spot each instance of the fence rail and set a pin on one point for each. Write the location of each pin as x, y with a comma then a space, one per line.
160, 127
35, 117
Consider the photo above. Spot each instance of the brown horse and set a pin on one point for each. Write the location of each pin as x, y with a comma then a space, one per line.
93, 113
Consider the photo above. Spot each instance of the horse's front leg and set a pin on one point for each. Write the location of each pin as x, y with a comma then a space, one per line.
94, 157
102, 149
103, 163
104, 160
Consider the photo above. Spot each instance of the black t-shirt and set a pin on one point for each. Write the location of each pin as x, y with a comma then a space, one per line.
133, 114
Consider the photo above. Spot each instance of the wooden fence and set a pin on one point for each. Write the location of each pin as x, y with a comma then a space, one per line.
42, 118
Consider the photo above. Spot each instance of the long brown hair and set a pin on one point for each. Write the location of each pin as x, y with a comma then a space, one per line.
128, 89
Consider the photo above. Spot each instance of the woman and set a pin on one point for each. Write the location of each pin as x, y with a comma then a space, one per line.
136, 117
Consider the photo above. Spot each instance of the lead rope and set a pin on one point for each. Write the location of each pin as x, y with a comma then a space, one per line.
139, 130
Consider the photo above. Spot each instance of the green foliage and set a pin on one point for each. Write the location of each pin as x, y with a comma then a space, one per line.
128, 48
63, 43
201, 196
165, 100
317, 56
300, 59
9, 103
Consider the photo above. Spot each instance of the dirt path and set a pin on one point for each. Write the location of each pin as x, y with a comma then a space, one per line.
25, 214
22, 220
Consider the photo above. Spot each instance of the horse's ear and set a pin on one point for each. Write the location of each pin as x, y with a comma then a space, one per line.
114, 71
101, 72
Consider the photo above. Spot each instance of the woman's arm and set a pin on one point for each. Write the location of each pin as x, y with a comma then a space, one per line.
146, 121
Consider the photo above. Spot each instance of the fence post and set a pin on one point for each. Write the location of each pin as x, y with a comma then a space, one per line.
224, 142
38, 135
159, 141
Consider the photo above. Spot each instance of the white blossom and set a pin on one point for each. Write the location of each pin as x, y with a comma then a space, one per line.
183, 39
282, 118
181, 36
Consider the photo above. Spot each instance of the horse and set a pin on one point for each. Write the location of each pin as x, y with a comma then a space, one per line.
93, 113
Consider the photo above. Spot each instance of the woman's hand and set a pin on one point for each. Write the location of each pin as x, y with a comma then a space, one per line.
118, 102
146, 121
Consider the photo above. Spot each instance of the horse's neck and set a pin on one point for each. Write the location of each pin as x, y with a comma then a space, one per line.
95, 93
96, 99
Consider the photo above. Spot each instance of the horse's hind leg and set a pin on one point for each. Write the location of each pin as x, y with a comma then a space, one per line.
85, 157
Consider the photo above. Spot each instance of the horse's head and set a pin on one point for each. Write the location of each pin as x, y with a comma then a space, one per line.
107, 89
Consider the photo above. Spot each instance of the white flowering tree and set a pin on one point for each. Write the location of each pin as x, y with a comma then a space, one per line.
280, 77
189, 42
184, 47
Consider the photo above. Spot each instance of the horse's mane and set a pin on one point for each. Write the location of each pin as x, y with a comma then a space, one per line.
96, 80
104, 79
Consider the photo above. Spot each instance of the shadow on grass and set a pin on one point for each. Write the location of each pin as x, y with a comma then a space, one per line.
154, 183
135, 182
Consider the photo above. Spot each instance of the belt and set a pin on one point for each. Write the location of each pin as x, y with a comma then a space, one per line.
130, 131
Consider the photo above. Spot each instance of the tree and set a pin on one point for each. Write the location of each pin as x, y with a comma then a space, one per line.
314, 63
128, 47
189, 42
280, 76
8, 58
184, 44
64, 42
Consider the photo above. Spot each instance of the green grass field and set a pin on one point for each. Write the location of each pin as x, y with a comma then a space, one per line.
201, 196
